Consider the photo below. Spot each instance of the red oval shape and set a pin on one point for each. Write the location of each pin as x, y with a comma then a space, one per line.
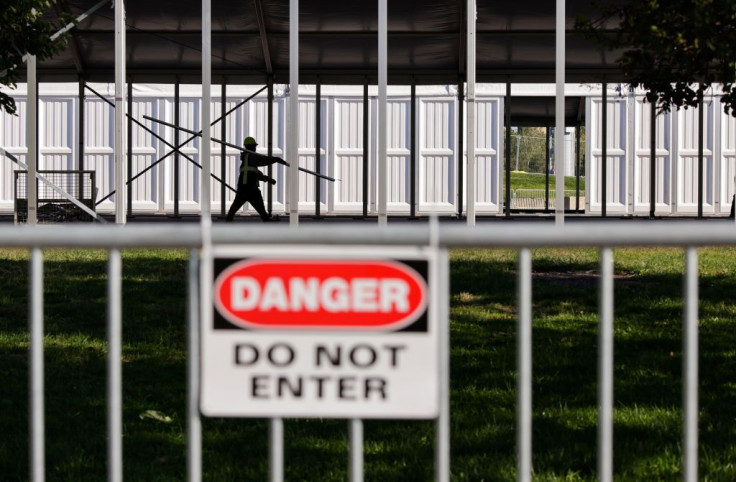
320, 294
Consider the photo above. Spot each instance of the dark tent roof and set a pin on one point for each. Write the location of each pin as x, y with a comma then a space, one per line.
338, 42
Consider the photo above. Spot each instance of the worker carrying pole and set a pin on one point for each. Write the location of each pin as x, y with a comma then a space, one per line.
248, 189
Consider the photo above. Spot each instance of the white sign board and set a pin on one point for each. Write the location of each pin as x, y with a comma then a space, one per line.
313, 332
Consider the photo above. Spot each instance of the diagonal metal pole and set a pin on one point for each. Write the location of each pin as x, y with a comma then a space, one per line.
234, 146
168, 144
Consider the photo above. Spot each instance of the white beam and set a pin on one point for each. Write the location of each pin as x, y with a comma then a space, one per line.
382, 110
120, 112
560, 114
292, 147
32, 129
471, 113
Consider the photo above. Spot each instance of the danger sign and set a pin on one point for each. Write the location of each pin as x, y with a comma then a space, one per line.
316, 335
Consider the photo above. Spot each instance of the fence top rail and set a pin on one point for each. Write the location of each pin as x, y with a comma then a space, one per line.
526, 234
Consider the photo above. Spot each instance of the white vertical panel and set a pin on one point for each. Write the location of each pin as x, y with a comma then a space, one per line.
728, 161
56, 134
437, 182
348, 138
642, 153
488, 134
686, 164
616, 153
98, 149
189, 174
306, 153
398, 156
13, 139
145, 147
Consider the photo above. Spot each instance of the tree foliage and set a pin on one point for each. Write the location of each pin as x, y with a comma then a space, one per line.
676, 49
24, 30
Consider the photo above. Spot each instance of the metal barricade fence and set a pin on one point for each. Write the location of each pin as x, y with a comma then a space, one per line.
521, 236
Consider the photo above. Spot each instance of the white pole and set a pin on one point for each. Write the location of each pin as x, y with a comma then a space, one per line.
205, 199
471, 112
120, 111
292, 147
382, 118
560, 115
32, 128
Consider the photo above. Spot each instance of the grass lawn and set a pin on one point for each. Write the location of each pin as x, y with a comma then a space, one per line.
648, 374
535, 180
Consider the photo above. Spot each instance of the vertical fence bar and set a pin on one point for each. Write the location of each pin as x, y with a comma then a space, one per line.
36, 383
524, 364
690, 368
194, 424
355, 433
276, 449
605, 367
442, 442
114, 369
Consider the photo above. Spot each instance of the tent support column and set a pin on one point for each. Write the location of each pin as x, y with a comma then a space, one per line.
382, 111
471, 111
120, 108
293, 137
560, 151
206, 150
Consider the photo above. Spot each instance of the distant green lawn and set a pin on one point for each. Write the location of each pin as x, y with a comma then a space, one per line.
534, 180
648, 361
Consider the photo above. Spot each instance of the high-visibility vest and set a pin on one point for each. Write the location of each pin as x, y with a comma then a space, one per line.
245, 168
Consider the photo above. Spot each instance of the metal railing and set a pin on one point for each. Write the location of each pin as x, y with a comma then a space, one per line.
521, 236
540, 199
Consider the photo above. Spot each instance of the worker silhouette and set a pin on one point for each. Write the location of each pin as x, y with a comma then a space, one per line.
248, 179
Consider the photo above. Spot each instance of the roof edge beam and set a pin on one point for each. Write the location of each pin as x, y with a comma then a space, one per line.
260, 18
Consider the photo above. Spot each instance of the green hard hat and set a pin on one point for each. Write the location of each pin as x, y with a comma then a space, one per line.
249, 141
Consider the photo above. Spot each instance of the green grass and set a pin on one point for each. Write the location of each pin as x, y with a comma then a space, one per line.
534, 180
648, 374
